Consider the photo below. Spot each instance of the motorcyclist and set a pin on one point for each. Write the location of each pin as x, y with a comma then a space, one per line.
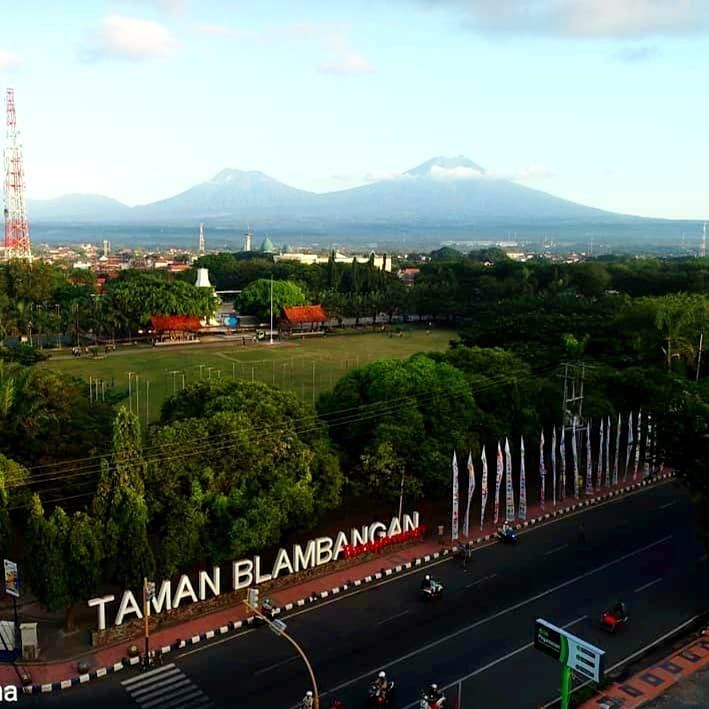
382, 683
619, 610
427, 583
267, 607
506, 529
434, 695
308, 701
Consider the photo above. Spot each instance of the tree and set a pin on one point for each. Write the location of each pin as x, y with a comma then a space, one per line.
13, 479
244, 470
255, 299
63, 558
381, 473
421, 407
119, 505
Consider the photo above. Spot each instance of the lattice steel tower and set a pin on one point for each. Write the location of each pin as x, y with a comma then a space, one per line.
17, 228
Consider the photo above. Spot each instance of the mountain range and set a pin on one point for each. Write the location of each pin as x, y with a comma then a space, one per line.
443, 192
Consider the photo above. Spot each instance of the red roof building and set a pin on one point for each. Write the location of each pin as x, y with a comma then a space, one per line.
297, 317
175, 323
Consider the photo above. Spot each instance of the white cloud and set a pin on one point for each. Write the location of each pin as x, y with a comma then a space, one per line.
211, 29
7, 60
633, 55
173, 8
129, 38
583, 18
347, 64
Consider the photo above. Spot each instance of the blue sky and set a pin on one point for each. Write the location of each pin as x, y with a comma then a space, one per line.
599, 101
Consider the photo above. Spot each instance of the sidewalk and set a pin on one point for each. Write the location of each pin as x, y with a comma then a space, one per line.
655, 680
55, 675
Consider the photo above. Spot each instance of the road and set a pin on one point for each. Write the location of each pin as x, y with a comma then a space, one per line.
641, 549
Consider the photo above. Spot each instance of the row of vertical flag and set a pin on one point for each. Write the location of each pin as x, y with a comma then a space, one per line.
604, 473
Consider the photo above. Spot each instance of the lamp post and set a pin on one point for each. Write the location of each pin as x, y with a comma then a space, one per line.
281, 631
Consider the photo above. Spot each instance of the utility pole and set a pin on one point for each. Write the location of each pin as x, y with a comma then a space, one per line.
148, 595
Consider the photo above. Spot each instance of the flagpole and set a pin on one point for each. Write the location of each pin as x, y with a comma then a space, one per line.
271, 330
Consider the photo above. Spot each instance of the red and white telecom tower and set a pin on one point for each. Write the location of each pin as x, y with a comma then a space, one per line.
17, 228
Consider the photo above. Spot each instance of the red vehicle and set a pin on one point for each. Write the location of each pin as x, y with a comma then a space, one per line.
615, 618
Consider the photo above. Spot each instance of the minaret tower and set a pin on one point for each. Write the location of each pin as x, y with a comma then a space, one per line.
17, 229
201, 240
703, 247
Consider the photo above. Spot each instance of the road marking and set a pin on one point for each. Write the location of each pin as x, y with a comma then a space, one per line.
555, 549
445, 560
277, 664
398, 615
669, 504
164, 688
492, 664
627, 659
479, 581
494, 616
647, 585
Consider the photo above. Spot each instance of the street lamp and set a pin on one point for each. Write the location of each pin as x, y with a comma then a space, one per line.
279, 628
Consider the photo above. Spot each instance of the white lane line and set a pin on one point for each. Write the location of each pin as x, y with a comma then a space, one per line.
492, 664
445, 560
479, 581
142, 676
147, 694
647, 585
555, 549
392, 617
669, 504
494, 616
627, 659
276, 664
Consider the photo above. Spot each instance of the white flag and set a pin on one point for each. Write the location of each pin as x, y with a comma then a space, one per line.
636, 472
599, 461
498, 482
574, 453
553, 466
471, 490
630, 445
542, 472
608, 453
509, 497
483, 491
616, 461
589, 462
522, 484
562, 461
454, 514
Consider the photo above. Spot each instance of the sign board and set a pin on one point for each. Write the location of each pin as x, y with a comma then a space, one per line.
583, 658
278, 626
12, 581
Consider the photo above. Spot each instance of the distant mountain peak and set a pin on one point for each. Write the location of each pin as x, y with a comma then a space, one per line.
441, 164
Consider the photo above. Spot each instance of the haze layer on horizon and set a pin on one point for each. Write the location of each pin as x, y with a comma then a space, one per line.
597, 101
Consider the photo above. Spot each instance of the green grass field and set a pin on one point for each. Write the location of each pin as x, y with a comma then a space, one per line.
306, 367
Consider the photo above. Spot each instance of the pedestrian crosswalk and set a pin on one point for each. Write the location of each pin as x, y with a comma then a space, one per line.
166, 688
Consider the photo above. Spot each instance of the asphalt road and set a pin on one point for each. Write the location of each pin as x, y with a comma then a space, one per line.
641, 549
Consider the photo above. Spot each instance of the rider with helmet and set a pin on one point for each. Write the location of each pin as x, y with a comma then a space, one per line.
434, 695
381, 683
426, 583
308, 701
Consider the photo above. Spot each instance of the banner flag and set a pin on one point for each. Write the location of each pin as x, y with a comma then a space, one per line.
522, 484
648, 448
12, 583
629, 446
553, 465
574, 453
454, 513
498, 482
589, 461
636, 471
509, 496
483, 491
608, 453
471, 491
599, 460
562, 461
616, 461
542, 473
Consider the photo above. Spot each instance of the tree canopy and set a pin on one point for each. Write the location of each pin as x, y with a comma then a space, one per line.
255, 299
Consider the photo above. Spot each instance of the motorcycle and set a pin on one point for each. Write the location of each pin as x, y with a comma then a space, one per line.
380, 697
508, 537
433, 590
428, 702
612, 620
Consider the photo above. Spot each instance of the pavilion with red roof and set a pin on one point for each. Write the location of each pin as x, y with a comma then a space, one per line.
175, 328
302, 319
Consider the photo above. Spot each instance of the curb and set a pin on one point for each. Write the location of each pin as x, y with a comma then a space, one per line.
315, 597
